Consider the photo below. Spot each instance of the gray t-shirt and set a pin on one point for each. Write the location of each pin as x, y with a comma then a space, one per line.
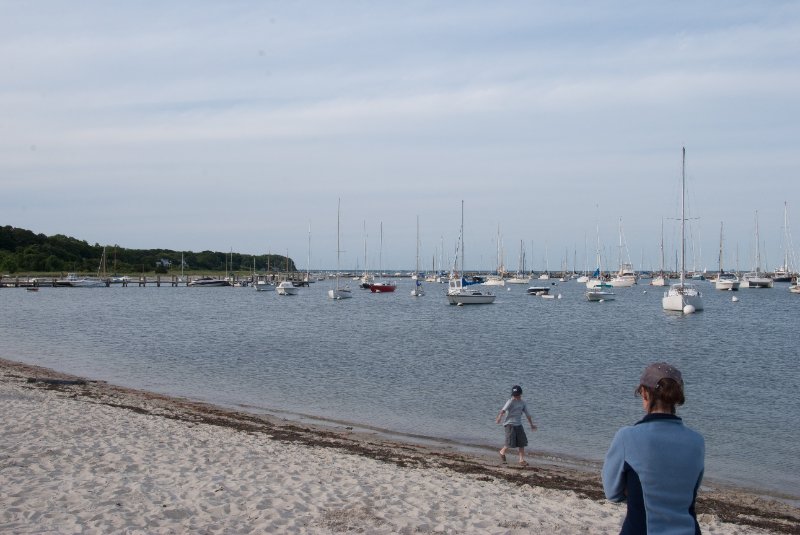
515, 408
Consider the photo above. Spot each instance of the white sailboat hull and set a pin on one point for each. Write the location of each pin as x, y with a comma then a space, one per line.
340, 293
681, 295
599, 295
470, 297
660, 281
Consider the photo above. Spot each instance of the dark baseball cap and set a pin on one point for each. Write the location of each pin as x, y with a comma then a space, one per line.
516, 390
657, 371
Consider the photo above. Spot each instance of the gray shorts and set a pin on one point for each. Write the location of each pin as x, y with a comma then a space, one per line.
515, 436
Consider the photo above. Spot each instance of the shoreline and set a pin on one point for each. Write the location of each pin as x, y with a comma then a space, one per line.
720, 509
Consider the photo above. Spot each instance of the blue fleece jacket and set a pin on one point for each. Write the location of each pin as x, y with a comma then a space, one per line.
657, 466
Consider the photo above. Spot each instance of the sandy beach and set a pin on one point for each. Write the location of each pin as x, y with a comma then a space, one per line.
89, 457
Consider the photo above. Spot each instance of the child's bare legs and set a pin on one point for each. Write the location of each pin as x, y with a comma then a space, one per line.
522, 456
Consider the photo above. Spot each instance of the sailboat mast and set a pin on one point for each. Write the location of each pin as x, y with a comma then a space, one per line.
683, 215
462, 238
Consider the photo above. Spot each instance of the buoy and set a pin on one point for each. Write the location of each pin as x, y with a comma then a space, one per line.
601, 301
508, 289
688, 309
559, 296
460, 304
735, 299
644, 292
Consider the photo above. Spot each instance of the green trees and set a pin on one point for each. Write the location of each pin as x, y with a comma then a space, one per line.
23, 251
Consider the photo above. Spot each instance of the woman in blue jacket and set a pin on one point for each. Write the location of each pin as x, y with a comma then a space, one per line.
657, 464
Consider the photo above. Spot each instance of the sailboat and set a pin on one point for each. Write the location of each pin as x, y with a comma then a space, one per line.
597, 287
520, 277
725, 281
498, 280
339, 292
626, 276
757, 278
662, 279
418, 291
383, 286
784, 272
458, 289
683, 297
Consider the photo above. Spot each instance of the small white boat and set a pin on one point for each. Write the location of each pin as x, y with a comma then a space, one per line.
756, 279
660, 280
538, 290
727, 281
794, 287
599, 294
263, 286
286, 288
494, 280
460, 294
73, 281
208, 282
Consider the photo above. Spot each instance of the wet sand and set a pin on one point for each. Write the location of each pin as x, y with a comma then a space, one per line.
88, 456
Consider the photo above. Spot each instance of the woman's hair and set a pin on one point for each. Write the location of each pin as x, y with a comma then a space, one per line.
668, 393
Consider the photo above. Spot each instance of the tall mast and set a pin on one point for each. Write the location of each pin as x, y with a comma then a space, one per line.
683, 217
462, 237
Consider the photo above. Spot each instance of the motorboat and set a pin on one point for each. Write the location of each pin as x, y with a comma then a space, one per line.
73, 281
727, 281
263, 286
286, 288
599, 294
208, 282
538, 290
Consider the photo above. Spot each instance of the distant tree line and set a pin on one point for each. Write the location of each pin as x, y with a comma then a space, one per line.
22, 251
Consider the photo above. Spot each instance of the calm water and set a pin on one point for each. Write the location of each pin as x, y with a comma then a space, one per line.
423, 367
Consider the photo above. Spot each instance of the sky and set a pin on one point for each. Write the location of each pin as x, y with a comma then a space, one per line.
242, 125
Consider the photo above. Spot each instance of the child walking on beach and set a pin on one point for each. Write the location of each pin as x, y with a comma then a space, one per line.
515, 433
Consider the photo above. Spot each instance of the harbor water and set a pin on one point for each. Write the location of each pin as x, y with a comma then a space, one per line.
423, 368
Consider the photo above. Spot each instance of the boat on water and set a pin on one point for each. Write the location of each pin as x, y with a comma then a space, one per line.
794, 287
599, 294
662, 279
725, 281
682, 297
459, 290
418, 290
626, 276
338, 291
383, 286
263, 286
208, 282
286, 288
538, 290
784, 272
757, 278
74, 281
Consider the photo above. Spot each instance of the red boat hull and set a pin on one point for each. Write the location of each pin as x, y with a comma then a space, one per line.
382, 287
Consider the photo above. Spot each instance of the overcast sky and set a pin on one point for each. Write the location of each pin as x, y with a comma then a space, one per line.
237, 125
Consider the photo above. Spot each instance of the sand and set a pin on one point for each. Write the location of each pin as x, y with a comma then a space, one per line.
89, 457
